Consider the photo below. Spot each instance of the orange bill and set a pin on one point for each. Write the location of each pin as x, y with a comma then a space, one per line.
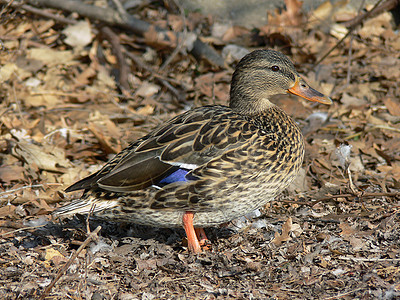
302, 89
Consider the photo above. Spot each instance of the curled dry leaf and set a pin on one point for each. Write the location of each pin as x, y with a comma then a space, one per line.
46, 157
284, 236
78, 35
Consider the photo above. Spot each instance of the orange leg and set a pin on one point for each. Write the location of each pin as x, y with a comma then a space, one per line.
193, 242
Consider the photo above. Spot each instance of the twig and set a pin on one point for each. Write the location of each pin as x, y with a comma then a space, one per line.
38, 12
91, 237
18, 104
348, 77
365, 131
5, 7
368, 259
163, 80
360, 19
46, 14
181, 39
120, 8
21, 229
33, 186
387, 5
352, 186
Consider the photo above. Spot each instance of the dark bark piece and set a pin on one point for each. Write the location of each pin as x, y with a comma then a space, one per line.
117, 49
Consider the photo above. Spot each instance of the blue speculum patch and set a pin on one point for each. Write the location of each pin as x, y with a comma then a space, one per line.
176, 175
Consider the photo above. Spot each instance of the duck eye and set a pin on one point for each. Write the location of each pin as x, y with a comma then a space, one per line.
275, 68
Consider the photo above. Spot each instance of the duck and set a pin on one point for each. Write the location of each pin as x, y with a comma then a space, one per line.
209, 165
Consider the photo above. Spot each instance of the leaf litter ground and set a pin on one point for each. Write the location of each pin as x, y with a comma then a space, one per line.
65, 110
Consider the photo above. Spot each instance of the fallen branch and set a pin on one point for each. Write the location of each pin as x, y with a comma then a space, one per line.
141, 28
117, 49
42, 13
358, 20
376, 10
91, 236
163, 80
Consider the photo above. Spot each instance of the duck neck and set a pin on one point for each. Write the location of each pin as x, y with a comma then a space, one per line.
246, 105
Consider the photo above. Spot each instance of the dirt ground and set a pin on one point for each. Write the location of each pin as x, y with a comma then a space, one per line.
76, 89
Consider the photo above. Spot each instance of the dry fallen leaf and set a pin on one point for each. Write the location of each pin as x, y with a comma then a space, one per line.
393, 106
9, 173
51, 57
45, 157
54, 256
284, 236
347, 230
292, 16
78, 35
7, 210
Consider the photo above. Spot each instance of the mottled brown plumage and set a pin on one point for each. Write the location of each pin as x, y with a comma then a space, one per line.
234, 159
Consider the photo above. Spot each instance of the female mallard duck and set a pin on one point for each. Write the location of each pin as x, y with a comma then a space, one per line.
211, 164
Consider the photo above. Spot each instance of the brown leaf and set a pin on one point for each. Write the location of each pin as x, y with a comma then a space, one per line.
292, 16
6, 210
393, 170
150, 264
11, 173
160, 40
46, 157
209, 86
234, 32
103, 140
54, 256
393, 106
346, 229
284, 236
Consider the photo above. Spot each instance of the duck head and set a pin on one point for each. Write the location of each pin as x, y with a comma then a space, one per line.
265, 73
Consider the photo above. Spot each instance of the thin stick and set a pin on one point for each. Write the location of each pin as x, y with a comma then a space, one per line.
27, 187
365, 195
387, 5
352, 186
91, 237
351, 28
46, 14
21, 229
374, 259
88, 216
161, 79
181, 39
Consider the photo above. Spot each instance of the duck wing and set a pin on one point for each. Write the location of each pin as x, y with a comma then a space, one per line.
171, 152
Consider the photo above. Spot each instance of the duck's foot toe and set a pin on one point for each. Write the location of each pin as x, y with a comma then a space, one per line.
204, 242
